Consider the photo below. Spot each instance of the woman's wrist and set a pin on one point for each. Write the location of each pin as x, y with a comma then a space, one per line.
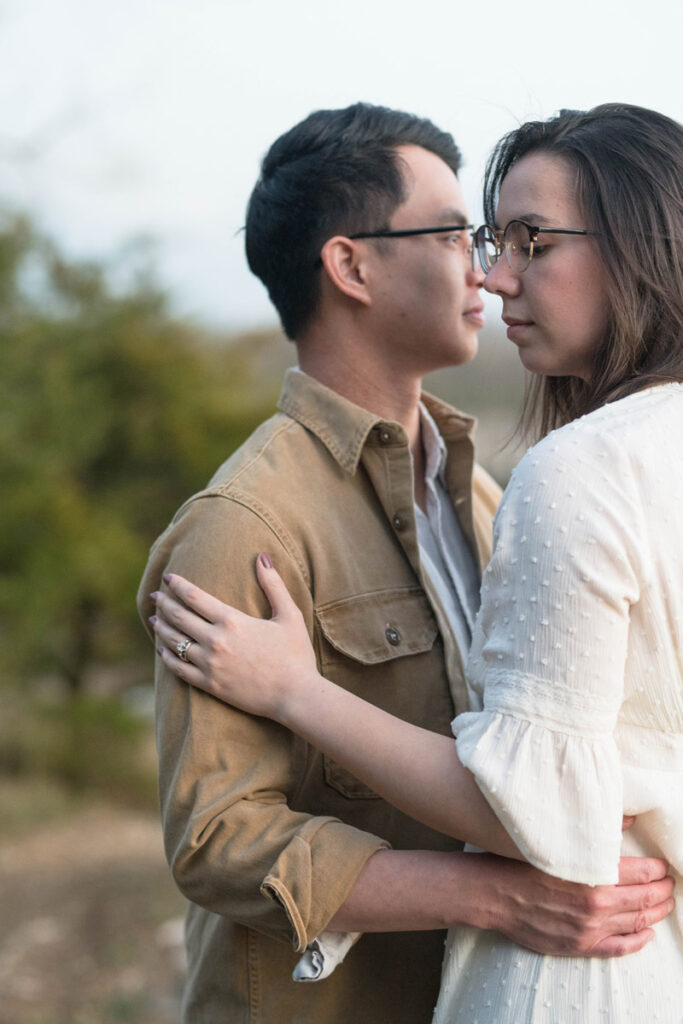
305, 706
294, 699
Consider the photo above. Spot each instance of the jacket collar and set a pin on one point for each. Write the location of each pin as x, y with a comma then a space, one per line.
345, 428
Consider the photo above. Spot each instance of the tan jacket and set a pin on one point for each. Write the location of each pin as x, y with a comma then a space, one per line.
265, 835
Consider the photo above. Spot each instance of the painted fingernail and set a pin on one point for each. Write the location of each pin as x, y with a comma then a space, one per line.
152, 619
160, 651
166, 577
265, 561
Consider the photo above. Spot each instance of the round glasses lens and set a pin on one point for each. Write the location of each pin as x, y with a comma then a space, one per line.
518, 245
486, 247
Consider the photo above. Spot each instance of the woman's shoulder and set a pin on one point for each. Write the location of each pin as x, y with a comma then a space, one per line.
639, 427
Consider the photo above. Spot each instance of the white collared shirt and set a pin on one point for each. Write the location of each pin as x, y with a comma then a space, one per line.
445, 555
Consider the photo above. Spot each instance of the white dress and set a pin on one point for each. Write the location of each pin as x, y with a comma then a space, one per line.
577, 665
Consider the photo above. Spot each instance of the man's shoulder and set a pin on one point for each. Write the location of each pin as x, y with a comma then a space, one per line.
252, 502
275, 469
263, 455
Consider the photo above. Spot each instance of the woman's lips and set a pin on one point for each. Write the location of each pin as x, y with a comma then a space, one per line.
516, 327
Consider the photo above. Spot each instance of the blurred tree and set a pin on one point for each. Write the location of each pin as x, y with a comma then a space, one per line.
113, 411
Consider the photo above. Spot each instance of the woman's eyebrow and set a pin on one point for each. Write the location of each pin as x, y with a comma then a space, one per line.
530, 218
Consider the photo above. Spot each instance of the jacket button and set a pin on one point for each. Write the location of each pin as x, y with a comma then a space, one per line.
398, 521
385, 436
393, 636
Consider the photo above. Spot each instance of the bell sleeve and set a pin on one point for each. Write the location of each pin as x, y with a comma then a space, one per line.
546, 670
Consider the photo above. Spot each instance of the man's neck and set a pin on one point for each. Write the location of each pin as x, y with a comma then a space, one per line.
382, 390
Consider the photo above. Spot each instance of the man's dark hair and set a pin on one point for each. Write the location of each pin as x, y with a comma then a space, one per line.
337, 172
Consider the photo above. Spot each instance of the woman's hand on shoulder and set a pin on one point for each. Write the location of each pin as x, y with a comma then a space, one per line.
254, 664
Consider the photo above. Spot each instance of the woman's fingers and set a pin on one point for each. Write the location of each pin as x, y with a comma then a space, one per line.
185, 670
187, 604
249, 662
194, 598
271, 583
180, 617
169, 637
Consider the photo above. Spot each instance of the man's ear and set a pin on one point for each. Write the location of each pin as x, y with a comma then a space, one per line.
345, 264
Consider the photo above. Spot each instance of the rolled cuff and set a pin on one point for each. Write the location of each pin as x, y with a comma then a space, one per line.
558, 796
322, 956
311, 878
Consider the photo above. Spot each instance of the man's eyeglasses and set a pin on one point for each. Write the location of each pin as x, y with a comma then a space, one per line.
517, 240
408, 232
413, 231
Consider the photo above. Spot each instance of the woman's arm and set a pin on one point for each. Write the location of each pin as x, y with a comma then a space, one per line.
267, 667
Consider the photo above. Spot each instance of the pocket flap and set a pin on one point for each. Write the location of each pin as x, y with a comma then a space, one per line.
380, 626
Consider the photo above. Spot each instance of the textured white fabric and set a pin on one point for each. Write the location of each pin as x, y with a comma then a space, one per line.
576, 679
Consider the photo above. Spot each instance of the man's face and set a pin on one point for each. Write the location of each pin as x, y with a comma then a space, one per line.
425, 294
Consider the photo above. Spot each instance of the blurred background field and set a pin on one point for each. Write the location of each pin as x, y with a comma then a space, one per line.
114, 410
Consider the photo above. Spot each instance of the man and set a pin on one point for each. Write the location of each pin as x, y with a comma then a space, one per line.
367, 497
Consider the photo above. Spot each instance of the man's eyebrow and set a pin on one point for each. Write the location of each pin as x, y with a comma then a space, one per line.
451, 216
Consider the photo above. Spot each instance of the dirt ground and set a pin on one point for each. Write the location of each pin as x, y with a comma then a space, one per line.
90, 922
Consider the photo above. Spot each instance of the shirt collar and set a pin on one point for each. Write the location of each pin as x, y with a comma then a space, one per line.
433, 444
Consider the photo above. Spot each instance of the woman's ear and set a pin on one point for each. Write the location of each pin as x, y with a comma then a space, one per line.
345, 264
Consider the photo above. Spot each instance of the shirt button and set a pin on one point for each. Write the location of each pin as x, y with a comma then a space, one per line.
393, 636
399, 522
384, 436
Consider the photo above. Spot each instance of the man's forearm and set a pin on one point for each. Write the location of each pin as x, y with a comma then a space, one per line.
419, 890
410, 890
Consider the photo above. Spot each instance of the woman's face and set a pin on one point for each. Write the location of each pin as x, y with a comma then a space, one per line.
557, 310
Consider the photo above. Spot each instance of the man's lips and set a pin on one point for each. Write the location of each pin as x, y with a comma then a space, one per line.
475, 314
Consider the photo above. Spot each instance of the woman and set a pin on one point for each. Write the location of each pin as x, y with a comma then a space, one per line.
576, 668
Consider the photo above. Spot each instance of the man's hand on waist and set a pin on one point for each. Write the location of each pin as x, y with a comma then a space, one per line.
562, 918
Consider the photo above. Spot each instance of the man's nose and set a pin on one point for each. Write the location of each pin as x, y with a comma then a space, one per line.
475, 277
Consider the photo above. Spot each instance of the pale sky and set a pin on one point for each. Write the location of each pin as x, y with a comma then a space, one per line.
149, 117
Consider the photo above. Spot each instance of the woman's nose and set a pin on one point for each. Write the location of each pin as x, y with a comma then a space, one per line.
502, 279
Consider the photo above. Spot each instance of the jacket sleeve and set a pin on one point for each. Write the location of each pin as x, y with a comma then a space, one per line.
228, 779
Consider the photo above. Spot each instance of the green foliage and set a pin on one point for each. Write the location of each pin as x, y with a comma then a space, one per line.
113, 411
86, 744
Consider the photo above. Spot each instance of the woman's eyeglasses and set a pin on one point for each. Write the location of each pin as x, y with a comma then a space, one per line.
517, 240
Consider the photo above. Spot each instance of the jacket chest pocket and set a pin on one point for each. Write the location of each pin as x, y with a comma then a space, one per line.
374, 645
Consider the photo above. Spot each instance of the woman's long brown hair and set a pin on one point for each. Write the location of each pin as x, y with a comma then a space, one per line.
628, 166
